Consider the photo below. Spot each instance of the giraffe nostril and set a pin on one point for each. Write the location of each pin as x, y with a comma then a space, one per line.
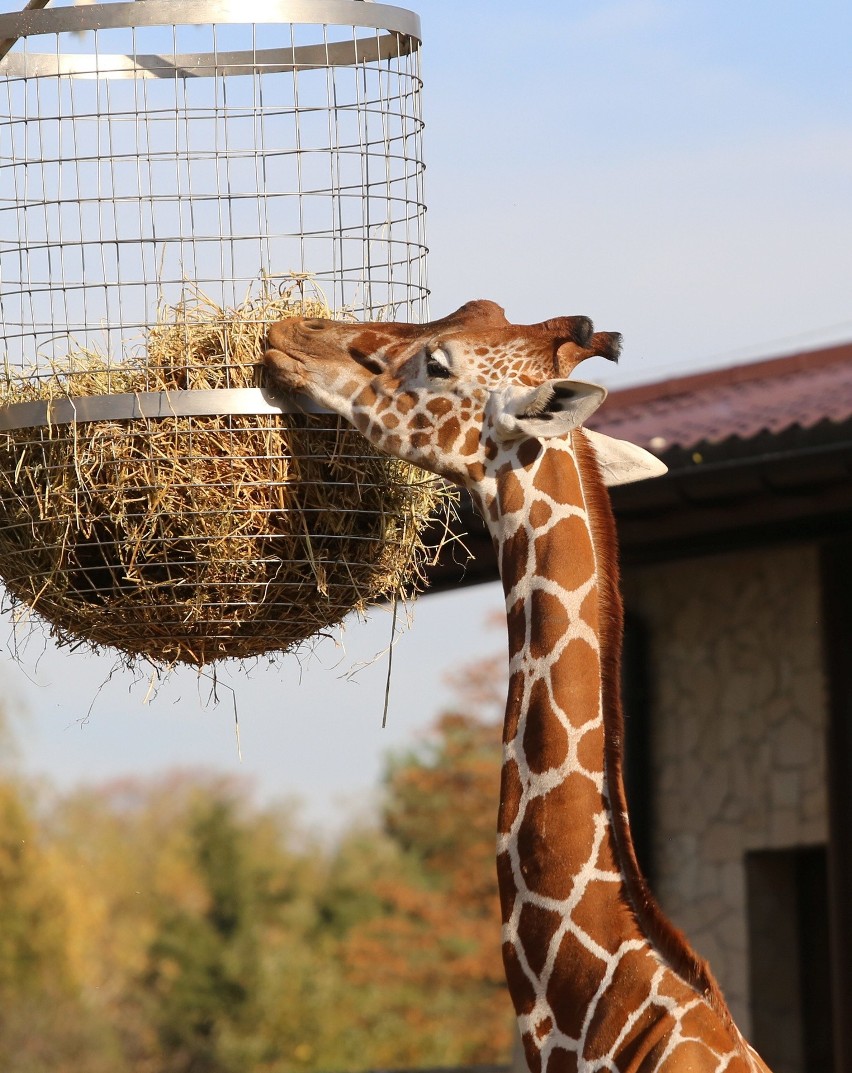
314, 324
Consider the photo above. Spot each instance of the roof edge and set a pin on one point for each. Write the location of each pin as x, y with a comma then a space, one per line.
802, 361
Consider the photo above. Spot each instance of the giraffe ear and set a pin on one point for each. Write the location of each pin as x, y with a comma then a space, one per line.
622, 462
553, 408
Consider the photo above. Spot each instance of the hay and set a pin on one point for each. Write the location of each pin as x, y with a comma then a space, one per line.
194, 539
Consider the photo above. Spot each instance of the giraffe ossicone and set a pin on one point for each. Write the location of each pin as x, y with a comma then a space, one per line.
600, 980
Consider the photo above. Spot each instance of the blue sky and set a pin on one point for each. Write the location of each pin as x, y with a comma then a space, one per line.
679, 171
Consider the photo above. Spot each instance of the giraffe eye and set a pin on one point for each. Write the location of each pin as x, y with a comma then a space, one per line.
435, 367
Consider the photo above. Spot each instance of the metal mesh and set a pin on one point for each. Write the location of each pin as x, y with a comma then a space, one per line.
139, 159
166, 168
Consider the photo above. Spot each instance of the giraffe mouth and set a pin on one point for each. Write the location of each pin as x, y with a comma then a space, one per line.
285, 369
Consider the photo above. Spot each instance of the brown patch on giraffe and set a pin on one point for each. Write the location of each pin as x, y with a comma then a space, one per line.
364, 344
475, 472
514, 700
514, 554
673, 987
590, 749
545, 738
506, 885
590, 608
419, 440
532, 1052
562, 1061
529, 451
520, 988
697, 1057
629, 987
516, 619
551, 854
389, 420
392, 444
603, 914
559, 479
439, 406
406, 401
536, 929
470, 446
351, 387
565, 554
701, 1022
540, 513
549, 621
575, 978
510, 491
576, 681
420, 421
491, 449
448, 433
511, 791
365, 398
544, 1028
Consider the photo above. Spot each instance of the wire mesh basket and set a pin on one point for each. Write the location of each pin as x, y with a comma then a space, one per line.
172, 170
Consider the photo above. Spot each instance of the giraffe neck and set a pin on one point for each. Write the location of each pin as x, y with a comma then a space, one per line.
574, 903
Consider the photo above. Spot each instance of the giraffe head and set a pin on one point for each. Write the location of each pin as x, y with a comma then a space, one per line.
456, 395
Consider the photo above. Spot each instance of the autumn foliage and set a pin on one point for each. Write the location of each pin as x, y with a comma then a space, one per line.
171, 927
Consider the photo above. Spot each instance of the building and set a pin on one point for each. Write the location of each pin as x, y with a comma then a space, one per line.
737, 577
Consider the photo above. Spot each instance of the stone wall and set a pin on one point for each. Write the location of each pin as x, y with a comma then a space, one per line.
738, 715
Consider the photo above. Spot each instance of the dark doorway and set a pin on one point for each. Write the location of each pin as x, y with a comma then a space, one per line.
789, 959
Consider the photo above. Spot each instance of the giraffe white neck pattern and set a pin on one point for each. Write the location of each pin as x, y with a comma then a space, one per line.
599, 979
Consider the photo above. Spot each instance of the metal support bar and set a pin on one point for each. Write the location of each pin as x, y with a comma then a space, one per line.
130, 406
10, 42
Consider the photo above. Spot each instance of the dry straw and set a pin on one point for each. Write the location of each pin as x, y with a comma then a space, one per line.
193, 539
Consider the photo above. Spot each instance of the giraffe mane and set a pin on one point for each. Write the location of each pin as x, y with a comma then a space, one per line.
665, 936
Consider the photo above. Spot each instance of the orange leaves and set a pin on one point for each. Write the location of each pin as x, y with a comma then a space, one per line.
183, 925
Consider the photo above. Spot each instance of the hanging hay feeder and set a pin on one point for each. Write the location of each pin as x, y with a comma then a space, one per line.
191, 538
154, 497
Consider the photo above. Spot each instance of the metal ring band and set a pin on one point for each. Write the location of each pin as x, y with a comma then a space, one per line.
130, 406
356, 13
373, 16
206, 65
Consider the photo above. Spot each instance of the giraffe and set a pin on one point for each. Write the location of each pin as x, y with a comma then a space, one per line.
600, 980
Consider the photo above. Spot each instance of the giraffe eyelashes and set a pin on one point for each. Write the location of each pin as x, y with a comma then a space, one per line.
436, 370
435, 365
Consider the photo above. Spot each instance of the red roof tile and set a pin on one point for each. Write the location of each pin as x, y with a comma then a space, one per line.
744, 401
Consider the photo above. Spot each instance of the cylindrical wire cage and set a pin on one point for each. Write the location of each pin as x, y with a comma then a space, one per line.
146, 146
173, 176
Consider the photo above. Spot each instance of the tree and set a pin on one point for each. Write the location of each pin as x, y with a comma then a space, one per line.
431, 956
201, 977
167, 926
45, 1024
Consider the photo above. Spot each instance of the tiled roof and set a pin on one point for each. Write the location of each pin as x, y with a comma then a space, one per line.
744, 401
